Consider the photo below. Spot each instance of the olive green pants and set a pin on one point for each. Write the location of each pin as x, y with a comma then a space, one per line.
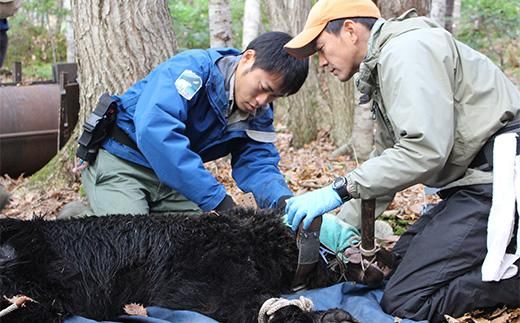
116, 186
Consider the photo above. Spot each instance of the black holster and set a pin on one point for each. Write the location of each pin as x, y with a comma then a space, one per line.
97, 128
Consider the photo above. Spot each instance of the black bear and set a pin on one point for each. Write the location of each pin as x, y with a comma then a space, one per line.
222, 265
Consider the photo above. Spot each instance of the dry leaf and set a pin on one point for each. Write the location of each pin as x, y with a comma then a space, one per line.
504, 318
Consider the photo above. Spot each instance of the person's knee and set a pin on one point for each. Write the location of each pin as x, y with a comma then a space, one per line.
390, 301
401, 301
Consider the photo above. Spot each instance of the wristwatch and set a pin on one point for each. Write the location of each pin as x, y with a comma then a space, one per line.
340, 186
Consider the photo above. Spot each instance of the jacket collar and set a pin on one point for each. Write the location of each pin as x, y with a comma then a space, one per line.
366, 78
215, 84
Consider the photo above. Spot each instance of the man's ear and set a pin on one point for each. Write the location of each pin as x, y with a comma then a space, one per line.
350, 30
249, 57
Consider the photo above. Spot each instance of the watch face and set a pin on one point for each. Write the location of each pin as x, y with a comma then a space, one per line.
338, 182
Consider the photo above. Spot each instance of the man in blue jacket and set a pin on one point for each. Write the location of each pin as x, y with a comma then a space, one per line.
4, 27
197, 106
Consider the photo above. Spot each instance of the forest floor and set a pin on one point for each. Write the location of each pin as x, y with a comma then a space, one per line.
307, 168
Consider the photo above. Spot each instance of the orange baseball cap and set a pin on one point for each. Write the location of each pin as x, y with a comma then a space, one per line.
321, 13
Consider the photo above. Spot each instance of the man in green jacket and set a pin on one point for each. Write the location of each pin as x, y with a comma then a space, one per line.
437, 102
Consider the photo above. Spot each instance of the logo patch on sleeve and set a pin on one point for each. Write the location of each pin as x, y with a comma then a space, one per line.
188, 84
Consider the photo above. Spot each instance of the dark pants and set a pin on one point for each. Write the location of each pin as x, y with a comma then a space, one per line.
3, 46
442, 254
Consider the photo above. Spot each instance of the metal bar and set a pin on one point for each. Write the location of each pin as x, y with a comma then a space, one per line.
40, 82
28, 83
62, 115
17, 76
368, 211
28, 134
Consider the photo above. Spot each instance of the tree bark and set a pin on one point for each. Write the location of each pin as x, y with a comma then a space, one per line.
69, 35
455, 16
438, 12
118, 42
219, 16
452, 15
300, 108
360, 144
394, 8
340, 99
251, 25
449, 12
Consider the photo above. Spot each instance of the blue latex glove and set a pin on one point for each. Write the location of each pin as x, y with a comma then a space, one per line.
308, 206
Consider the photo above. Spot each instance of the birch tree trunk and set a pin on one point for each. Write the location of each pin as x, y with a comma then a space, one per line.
251, 25
69, 34
118, 42
455, 16
219, 16
394, 8
438, 12
449, 12
452, 15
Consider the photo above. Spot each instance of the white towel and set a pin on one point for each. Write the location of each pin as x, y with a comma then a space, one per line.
498, 264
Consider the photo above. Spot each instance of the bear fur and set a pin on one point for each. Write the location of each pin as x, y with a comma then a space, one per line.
221, 265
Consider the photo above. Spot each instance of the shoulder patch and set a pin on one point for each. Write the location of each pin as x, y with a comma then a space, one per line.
188, 84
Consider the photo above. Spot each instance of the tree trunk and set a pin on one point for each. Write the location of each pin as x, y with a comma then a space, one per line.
300, 108
340, 98
118, 43
251, 21
449, 12
438, 12
219, 16
455, 16
361, 143
394, 8
452, 15
69, 35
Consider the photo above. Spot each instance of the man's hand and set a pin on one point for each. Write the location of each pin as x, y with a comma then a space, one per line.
310, 205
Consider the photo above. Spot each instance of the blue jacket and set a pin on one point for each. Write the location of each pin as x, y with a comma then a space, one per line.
177, 128
3, 24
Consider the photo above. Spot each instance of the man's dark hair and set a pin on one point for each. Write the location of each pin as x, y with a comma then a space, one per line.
334, 26
272, 57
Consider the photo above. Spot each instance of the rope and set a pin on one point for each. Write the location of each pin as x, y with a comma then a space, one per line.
371, 252
272, 305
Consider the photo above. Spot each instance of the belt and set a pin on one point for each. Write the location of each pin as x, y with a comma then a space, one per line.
484, 158
121, 137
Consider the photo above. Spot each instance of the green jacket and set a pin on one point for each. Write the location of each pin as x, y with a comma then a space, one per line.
436, 102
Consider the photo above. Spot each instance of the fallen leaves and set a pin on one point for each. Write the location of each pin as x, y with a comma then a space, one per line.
25, 204
499, 315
